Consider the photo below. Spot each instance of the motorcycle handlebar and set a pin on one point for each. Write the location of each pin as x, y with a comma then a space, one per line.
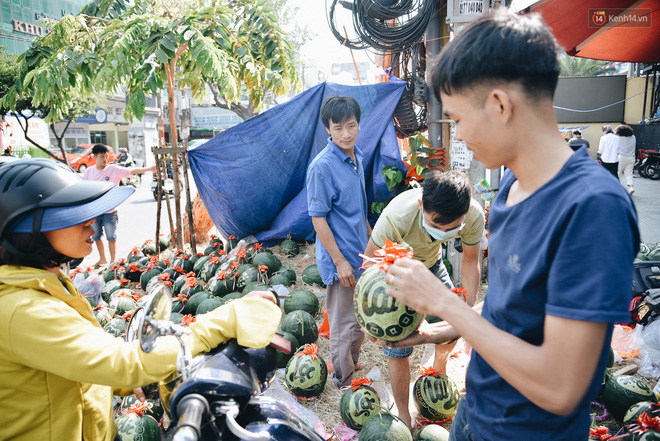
190, 409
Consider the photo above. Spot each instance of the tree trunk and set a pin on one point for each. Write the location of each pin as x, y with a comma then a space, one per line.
59, 140
25, 129
240, 110
175, 157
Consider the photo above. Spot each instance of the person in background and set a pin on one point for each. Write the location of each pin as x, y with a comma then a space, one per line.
425, 218
58, 367
337, 203
541, 338
608, 150
7, 152
577, 141
626, 154
103, 171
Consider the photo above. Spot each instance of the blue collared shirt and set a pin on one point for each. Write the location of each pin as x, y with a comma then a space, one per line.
336, 191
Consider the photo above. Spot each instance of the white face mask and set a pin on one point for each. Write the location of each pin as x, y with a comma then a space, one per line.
439, 234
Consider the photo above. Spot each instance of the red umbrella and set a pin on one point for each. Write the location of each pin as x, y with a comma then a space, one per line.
612, 30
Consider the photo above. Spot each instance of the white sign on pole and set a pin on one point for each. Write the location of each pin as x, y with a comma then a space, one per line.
460, 157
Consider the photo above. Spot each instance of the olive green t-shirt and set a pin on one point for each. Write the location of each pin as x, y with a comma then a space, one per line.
404, 212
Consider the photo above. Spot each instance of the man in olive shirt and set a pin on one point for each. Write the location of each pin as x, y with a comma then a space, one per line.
425, 218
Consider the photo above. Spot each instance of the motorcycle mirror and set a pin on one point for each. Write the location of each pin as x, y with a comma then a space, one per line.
135, 324
158, 308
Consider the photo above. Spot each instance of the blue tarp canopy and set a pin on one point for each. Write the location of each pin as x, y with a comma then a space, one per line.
251, 177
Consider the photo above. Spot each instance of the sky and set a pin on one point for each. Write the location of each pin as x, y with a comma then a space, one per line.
323, 49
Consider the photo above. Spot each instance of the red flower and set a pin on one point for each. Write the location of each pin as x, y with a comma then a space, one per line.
242, 254
310, 350
134, 251
215, 260
429, 371
601, 432
164, 276
178, 269
357, 382
232, 237
188, 319
180, 298
124, 282
222, 275
387, 255
257, 246
138, 408
263, 268
234, 265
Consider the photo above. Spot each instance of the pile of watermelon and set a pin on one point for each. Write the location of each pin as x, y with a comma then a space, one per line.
648, 251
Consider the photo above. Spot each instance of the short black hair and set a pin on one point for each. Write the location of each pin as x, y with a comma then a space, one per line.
499, 48
624, 130
100, 148
446, 195
339, 109
577, 133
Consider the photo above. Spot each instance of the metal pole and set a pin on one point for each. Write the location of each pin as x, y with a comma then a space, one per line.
433, 47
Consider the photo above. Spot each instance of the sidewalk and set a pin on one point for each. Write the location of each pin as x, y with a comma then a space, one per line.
647, 202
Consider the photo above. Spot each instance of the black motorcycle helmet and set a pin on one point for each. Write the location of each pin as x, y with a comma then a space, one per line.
39, 195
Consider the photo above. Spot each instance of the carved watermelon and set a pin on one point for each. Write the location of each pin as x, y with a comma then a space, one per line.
306, 373
636, 410
184, 263
623, 391
358, 404
117, 326
222, 284
116, 271
385, 427
380, 315
433, 432
134, 427
435, 396
250, 275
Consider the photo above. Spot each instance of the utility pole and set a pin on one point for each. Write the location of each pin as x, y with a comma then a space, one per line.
434, 34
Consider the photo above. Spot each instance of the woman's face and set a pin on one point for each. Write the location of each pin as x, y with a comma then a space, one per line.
74, 241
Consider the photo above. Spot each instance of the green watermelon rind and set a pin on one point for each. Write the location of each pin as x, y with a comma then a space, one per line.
302, 325
392, 321
312, 389
445, 406
385, 427
356, 418
302, 300
619, 394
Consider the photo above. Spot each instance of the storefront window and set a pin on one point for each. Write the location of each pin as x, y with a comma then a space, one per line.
98, 138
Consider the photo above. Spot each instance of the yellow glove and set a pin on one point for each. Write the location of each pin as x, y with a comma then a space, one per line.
251, 321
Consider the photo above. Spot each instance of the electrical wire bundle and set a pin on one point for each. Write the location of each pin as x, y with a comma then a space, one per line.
410, 114
385, 25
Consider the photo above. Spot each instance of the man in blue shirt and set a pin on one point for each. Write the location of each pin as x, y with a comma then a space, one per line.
557, 283
337, 203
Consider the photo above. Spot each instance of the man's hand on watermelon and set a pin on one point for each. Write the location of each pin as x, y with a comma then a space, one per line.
434, 333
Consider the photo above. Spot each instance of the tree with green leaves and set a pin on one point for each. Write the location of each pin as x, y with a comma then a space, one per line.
297, 35
25, 109
584, 67
146, 46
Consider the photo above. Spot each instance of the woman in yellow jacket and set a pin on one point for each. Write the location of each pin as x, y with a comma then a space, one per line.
58, 367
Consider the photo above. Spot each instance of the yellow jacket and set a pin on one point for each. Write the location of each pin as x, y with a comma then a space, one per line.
58, 367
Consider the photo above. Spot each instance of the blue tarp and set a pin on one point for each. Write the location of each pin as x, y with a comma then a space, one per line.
251, 177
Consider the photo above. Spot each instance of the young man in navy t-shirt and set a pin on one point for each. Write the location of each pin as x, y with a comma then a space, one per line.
563, 238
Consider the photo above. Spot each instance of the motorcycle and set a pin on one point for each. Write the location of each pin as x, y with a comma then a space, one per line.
167, 184
650, 166
216, 396
134, 180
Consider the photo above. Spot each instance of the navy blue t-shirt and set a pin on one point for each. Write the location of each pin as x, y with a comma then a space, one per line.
566, 251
